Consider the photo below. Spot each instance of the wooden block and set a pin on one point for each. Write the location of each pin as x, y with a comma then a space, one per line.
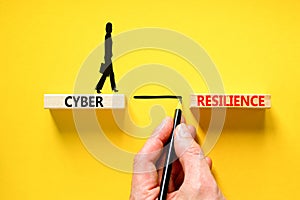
230, 101
84, 101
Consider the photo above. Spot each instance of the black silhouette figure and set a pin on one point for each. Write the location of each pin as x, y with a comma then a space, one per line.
108, 63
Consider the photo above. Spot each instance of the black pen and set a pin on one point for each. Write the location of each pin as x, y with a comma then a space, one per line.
170, 157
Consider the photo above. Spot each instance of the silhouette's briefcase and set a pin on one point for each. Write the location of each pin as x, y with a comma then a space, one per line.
102, 68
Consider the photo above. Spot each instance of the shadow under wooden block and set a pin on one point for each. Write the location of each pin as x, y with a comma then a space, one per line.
236, 119
64, 119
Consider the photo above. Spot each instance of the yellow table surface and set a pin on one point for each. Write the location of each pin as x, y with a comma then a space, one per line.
254, 44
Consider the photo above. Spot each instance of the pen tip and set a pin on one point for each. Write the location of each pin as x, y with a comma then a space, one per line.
179, 104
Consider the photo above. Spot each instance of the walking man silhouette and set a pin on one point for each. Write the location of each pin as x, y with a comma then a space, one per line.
108, 63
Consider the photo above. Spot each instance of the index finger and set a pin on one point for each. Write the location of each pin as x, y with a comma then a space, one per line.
159, 137
145, 160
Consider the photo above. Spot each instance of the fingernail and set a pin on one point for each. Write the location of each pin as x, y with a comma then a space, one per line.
162, 124
183, 131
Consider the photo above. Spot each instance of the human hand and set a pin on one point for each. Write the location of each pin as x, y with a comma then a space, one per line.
191, 177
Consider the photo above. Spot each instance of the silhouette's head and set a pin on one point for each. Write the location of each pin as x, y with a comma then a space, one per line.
108, 27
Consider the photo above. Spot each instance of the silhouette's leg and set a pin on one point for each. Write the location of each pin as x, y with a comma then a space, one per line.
112, 79
102, 80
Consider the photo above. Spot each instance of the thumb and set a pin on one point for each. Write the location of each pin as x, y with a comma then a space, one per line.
190, 154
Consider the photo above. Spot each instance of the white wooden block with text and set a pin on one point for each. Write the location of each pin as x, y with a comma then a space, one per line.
230, 101
84, 101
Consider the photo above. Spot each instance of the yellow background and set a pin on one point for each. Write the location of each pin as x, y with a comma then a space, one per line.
254, 44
